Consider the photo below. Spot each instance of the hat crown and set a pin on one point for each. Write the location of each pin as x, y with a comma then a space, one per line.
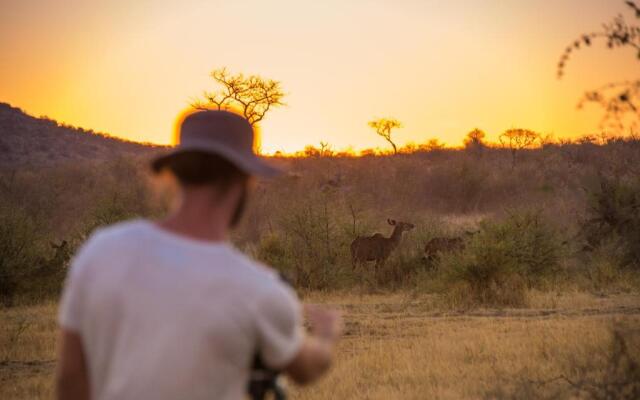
222, 133
221, 128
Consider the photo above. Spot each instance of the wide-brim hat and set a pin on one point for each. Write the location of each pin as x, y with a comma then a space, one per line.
222, 133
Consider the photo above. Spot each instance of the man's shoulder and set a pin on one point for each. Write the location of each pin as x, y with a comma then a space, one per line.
266, 280
254, 268
122, 229
116, 236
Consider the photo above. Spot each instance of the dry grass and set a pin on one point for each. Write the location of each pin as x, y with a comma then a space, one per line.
402, 348
27, 352
397, 345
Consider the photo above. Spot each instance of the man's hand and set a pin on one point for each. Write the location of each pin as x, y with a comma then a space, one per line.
316, 353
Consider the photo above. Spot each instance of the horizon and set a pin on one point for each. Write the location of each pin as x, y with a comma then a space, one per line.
311, 150
71, 65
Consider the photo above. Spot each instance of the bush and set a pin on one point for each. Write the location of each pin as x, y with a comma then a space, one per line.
462, 186
18, 252
31, 269
272, 251
309, 246
533, 243
484, 273
613, 211
502, 261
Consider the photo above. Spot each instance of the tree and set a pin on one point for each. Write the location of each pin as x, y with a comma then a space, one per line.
311, 151
474, 141
432, 145
517, 140
252, 96
383, 127
618, 99
325, 149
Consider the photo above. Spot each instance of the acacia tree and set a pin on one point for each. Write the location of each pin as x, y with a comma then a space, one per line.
253, 96
474, 141
618, 99
383, 127
517, 140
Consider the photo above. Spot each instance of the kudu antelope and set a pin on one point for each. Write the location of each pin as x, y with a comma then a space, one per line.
377, 247
440, 245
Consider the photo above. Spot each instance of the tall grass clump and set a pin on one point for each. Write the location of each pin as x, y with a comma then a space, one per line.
609, 372
501, 262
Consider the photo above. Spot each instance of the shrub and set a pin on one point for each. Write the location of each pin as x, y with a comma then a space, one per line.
18, 252
460, 186
484, 273
532, 242
272, 251
613, 210
309, 248
30, 270
502, 261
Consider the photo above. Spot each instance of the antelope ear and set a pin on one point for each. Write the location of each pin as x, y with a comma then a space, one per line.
391, 221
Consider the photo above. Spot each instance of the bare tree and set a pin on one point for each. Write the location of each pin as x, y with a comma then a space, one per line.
618, 99
325, 149
383, 127
517, 140
253, 95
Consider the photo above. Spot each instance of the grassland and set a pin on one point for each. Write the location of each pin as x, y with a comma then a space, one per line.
407, 346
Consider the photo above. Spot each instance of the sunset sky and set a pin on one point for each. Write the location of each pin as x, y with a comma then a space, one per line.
441, 67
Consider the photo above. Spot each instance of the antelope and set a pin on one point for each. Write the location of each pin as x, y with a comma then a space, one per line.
439, 245
377, 247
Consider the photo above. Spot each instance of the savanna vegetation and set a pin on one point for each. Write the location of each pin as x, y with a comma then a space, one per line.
545, 248
514, 270
560, 215
554, 234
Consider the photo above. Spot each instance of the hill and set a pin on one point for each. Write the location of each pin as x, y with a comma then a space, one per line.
29, 141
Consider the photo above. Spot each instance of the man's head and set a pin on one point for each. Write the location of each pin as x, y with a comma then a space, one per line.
214, 159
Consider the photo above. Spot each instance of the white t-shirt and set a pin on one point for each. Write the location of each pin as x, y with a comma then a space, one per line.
162, 316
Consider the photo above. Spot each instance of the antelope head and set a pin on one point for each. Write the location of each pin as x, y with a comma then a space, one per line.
400, 226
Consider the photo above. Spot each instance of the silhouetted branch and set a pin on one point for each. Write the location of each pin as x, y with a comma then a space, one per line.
253, 95
617, 99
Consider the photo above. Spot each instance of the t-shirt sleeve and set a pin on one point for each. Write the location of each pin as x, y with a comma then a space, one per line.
70, 315
280, 331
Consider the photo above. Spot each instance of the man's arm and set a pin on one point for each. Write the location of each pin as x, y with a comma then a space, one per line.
72, 377
316, 353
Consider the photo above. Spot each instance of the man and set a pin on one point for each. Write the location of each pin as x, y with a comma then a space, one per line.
169, 309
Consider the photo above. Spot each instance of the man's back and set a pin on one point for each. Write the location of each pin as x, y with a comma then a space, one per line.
171, 317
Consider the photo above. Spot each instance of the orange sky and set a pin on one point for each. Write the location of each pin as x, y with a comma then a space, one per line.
442, 68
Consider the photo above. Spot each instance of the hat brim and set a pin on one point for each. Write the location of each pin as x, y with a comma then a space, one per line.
249, 163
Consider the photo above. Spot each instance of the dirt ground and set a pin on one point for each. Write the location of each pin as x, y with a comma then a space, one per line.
396, 346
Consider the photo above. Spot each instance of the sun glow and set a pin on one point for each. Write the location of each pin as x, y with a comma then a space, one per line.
440, 68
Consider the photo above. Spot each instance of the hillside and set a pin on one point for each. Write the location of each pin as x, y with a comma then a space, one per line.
27, 140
